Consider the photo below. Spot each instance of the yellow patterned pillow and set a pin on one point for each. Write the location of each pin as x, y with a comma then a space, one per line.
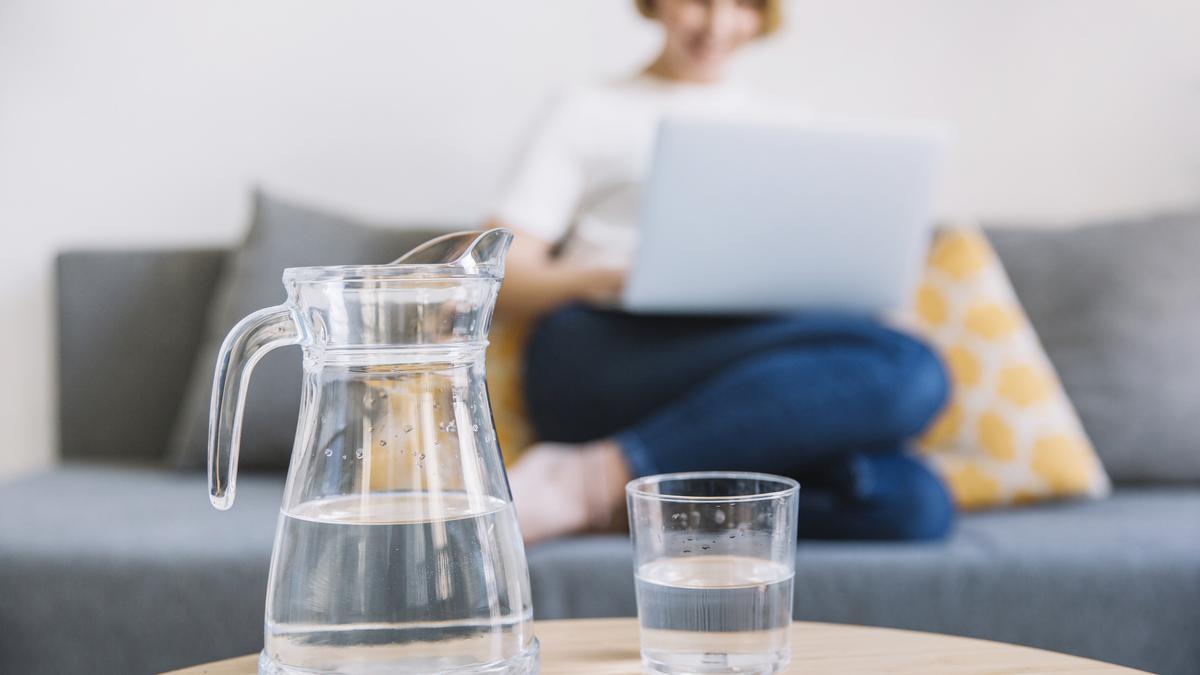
1009, 435
505, 356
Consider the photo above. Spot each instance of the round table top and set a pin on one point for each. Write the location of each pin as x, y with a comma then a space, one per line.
610, 646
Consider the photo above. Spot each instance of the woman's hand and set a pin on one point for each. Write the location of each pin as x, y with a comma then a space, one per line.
536, 283
600, 285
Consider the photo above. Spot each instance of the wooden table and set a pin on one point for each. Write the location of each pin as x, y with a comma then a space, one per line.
610, 646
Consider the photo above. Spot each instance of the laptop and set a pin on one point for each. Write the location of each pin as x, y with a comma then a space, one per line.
753, 218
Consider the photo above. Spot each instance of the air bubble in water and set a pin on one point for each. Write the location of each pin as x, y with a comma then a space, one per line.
358, 454
719, 516
383, 444
474, 427
329, 452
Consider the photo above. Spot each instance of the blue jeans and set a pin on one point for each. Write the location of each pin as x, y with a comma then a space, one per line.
828, 399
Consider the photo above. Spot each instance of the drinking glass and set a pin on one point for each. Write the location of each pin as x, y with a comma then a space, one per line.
714, 557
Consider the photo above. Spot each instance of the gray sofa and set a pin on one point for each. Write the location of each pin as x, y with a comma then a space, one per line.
111, 563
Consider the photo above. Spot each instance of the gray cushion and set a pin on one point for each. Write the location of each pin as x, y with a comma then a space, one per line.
281, 235
129, 323
123, 571
1117, 306
1116, 580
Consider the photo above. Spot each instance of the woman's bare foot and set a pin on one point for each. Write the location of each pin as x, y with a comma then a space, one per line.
561, 488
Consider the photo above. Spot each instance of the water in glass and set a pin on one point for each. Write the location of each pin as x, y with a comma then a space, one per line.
722, 613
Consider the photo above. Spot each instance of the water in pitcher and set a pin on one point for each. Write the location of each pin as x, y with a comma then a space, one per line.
714, 613
423, 607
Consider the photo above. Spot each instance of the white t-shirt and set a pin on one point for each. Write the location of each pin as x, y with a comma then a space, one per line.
579, 182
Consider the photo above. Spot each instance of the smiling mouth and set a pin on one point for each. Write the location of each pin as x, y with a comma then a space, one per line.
706, 51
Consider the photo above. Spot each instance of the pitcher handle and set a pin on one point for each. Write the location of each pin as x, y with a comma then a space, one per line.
248, 342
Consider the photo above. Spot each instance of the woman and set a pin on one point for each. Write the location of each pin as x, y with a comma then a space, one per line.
828, 399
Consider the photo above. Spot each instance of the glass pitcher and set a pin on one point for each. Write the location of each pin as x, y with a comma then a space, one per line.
397, 549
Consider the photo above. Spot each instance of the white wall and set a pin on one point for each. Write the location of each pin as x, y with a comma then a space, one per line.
141, 122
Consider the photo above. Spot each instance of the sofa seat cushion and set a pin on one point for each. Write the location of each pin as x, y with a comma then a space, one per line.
1116, 580
123, 570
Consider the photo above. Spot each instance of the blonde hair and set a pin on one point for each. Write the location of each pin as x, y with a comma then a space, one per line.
772, 13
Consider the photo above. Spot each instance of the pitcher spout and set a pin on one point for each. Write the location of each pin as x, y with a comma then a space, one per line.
475, 251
